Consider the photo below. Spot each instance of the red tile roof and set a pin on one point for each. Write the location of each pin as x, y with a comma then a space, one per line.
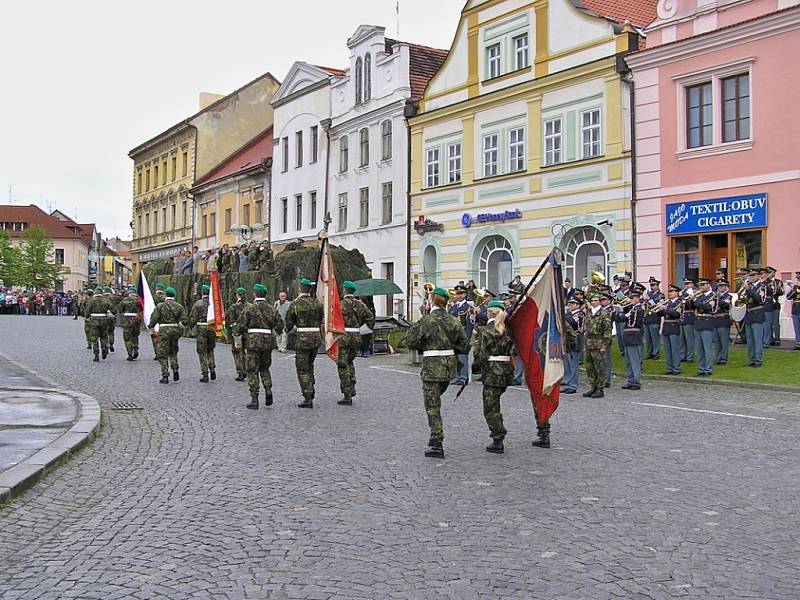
639, 12
253, 153
424, 63
33, 215
332, 70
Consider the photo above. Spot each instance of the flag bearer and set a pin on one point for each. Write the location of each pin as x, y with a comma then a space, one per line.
205, 335
356, 314
305, 316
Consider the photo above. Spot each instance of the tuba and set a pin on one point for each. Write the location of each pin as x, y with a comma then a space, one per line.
598, 278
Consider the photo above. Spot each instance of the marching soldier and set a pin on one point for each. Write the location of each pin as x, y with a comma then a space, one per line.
633, 320
439, 336
158, 297
87, 321
169, 316
96, 311
687, 321
652, 320
755, 293
356, 314
260, 323
132, 323
597, 343
238, 348
461, 309
205, 336
705, 305
722, 322
306, 315
113, 303
794, 297
671, 330
573, 319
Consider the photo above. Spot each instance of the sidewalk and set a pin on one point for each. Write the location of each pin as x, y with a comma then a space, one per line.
39, 426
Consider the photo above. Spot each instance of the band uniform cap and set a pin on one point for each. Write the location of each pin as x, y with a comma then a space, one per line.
606, 295
688, 280
654, 281
441, 292
160, 286
797, 273
241, 290
260, 288
505, 296
349, 285
634, 292
704, 280
495, 304
673, 288
573, 300
459, 288
772, 270
723, 282
170, 292
205, 288
489, 293
306, 282
567, 279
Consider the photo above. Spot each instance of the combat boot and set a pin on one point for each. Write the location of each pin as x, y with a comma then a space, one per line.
346, 401
240, 377
164, 379
129, 357
88, 346
543, 441
135, 354
253, 403
435, 450
598, 393
268, 398
175, 375
213, 375
204, 378
111, 348
306, 403
105, 354
96, 357
589, 393
496, 447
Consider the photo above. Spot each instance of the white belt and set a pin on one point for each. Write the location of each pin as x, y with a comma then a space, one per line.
167, 324
308, 329
202, 325
438, 353
98, 315
259, 331
499, 359
130, 314
352, 330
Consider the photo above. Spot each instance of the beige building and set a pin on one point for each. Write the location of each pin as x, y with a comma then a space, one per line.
167, 165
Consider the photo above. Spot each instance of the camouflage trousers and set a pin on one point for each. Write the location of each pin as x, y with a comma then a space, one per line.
432, 392
491, 411
87, 330
304, 363
130, 335
98, 337
155, 346
345, 365
167, 351
111, 326
595, 367
206, 342
240, 358
258, 364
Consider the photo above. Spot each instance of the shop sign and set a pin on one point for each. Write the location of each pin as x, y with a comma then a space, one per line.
423, 226
467, 220
721, 214
156, 254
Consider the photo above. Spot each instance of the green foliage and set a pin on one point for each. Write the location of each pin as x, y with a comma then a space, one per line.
9, 260
38, 267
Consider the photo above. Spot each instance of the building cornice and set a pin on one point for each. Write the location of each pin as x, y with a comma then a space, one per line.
352, 119
180, 128
318, 85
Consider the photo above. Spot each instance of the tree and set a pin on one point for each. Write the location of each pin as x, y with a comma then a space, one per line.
9, 260
38, 267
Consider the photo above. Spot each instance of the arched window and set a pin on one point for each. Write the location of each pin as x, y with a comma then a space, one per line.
358, 81
367, 78
495, 264
430, 265
586, 251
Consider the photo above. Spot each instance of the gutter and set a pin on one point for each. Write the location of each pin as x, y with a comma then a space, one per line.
326, 126
626, 76
409, 111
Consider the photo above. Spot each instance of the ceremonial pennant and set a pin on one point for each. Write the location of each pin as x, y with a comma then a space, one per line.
328, 293
146, 301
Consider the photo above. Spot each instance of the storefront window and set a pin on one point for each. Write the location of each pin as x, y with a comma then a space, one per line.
749, 249
687, 258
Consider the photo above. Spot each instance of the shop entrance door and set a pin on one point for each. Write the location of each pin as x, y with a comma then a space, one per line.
715, 254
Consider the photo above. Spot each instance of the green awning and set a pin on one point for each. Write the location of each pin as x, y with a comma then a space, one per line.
376, 287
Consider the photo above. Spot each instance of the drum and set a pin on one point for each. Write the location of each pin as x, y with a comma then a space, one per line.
738, 312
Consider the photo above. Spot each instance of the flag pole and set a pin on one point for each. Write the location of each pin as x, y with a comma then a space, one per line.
530, 283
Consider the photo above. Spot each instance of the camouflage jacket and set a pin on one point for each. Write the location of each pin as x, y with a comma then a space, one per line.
114, 302
490, 342
233, 314
130, 304
159, 297
167, 313
305, 313
356, 314
199, 313
598, 330
438, 330
96, 306
259, 315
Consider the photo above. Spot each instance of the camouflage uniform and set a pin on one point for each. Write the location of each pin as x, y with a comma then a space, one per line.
260, 316
158, 298
306, 314
87, 323
98, 321
440, 331
355, 314
169, 317
205, 336
496, 375
113, 302
232, 317
596, 339
132, 325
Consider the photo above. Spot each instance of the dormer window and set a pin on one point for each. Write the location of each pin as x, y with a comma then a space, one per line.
19, 226
359, 80
367, 78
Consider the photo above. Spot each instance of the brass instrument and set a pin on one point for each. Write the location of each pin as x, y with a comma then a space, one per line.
598, 278
656, 308
741, 298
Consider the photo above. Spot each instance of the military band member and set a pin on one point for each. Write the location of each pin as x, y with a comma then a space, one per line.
97, 312
722, 322
756, 295
158, 297
461, 308
597, 343
652, 320
705, 305
620, 293
772, 309
632, 319
439, 336
606, 303
132, 323
671, 330
305, 316
573, 320
688, 338
169, 316
205, 335
356, 314
238, 350
794, 297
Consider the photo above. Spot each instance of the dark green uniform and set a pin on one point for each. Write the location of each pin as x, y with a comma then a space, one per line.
355, 314
114, 301
306, 314
205, 336
492, 359
260, 323
131, 324
158, 298
232, 317
597, 340
169, 316
439, 336
87, 323
97, 319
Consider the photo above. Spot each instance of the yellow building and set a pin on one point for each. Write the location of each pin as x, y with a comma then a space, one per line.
522, 143
167, 165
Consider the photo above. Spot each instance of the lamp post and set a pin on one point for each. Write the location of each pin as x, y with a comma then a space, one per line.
247, 231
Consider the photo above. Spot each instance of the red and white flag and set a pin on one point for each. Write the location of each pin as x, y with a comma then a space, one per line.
216, 313
328, 293
146, 302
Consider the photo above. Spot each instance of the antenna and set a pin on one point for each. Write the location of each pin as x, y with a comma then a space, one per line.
10, 196
397, 10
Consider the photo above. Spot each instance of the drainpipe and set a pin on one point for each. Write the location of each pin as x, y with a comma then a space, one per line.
188, 194
326, 126
627, 77
409, 111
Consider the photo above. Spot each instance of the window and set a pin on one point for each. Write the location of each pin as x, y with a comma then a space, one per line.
174, 167
139, 231
155, 222
363, 207
364, 146
183, 210
147, 180
312, 217
454, 163
139, 182
259, 206
432, 167
699, 118
342, 224
493, 60
298, 212
204, 226
164, 172
590, 133
314, 140
490, 154
164, 219
521, 54
228, 212
60, 256
358, 81
687, 257
552, 141
147, 224
298, 149
736, 108
386, 203
367, 78
343, 154
246, 215
516, 149
213, 218
185, 163
386, 140
174, 216
284, 215
284, 154
155, 176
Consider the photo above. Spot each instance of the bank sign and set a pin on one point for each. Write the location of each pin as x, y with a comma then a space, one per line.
721, 214
467, 220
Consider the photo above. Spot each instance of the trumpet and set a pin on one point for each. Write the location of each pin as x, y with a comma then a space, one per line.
656, 308
741, 299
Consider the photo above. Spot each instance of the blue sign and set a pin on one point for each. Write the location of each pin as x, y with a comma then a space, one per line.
722, 214
467, 219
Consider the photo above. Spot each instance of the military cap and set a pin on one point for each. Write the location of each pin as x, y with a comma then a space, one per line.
752, 271
594, 297
349, 285
131, 288
90, 291
205, 288
567, 280
688, 280
505, 296
260, 288
634, 292
615, 278
771, 270
797, 273
606, 295
654, 281
441, 292
170, 292
459, 289
160, 286
673, 288
489, 293
241, 290
307, 282
495, 304
98, 290
704, 280
723, 282
573, 300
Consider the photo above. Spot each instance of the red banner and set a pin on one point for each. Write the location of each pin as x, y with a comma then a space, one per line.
216, 313
328, 293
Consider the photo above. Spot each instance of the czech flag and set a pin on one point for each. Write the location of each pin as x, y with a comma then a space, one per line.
146, 302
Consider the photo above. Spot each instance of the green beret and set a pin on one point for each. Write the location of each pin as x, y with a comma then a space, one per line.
160, 286
241, 290
349, 285
307, 282
594, 297
205, 288
495, 304
90, 292
441, 292
98, 290
131, 288
171, 292
260, 288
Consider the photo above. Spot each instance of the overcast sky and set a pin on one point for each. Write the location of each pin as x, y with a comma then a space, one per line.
85, 81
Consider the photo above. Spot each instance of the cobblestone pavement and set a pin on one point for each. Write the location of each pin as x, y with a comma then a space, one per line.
196, 497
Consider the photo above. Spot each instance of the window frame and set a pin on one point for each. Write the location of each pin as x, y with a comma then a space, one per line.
737, 98
367, 78
387, 202
553, 136
363, 207
298, 212
458, 158
363, 147
598, 127
432, 175
512, 145
341, 221
359, 80
344, 150
492, 60
706, 92
313, 135
284, 154
285, 214
228, 216
312, 210
386, 139
298, 149
526, 50
487, 151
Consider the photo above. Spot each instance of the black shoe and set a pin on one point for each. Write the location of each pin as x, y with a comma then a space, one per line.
105, 354
129, 358
268, 399
589, 393
164, 379
175, 376
568, 391
204, 378
598, 393
435, 451
496, 447
543, 441
111, 348
239, 377
346, 401
635, 386
89, 347
253, 404
307, 403
213, 375
627, 386
776, 343
517, 382
96, 358
155, 358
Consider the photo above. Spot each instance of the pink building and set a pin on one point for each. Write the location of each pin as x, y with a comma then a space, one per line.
717, 158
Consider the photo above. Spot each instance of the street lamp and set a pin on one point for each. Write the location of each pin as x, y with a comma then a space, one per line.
247, 231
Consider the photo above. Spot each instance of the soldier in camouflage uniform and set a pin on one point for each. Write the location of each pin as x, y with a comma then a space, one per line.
87, 322
113, 303
492, 359
95, 312
239, 350
597, 341
158, 297
169, 316
439, 336
356, 314
260, 323
306, 314
205, 336
132, 323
